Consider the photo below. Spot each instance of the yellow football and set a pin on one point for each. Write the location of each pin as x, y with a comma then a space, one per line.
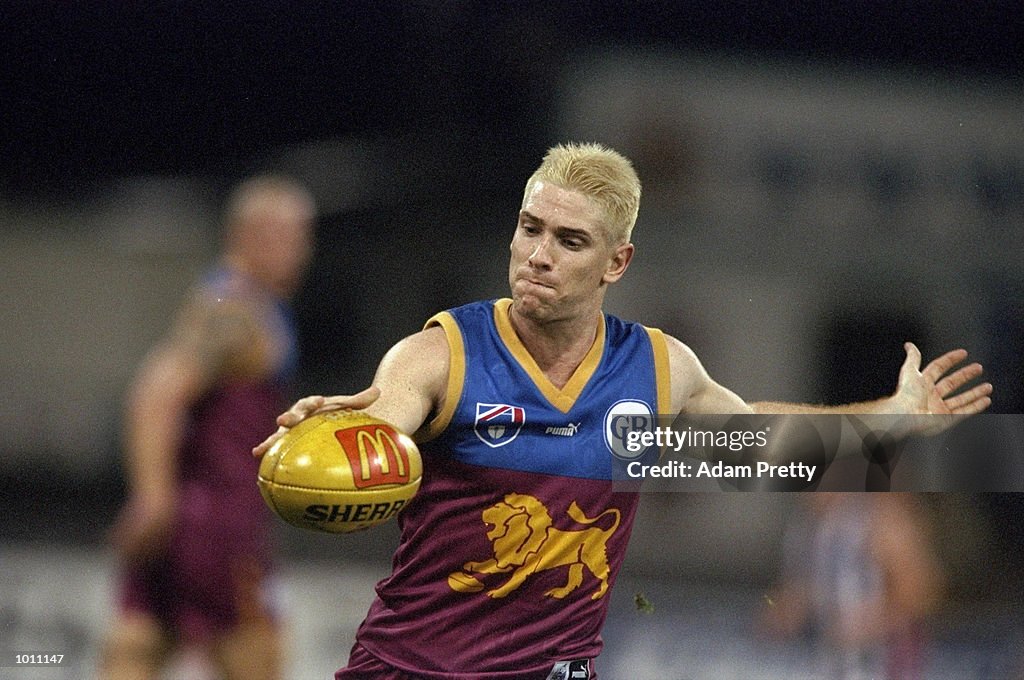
340, 472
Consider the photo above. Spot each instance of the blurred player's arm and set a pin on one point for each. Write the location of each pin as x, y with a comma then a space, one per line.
903, 545
208, 339
409, 387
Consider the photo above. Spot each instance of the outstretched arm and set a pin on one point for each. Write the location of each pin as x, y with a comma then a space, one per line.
409, 386
931, 396
931, 393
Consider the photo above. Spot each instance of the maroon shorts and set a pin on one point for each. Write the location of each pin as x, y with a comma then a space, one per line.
365, 666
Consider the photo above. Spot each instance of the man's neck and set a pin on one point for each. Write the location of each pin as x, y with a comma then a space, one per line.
558, 347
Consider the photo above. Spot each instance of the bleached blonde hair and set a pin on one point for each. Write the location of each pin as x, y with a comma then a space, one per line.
260, 193
600, 173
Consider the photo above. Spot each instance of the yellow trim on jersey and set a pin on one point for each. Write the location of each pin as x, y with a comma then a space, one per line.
662, 372
562, 399
456, 375
662, 379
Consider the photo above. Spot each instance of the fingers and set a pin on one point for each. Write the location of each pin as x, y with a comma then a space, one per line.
261, 449
912, 364
359, 400
938, 367
954, 381
307, 406
969, 402
974, 400
300, 410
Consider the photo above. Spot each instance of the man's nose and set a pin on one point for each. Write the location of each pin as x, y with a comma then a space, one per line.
541, 255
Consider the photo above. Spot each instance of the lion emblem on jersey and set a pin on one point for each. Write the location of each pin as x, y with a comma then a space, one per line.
526, 542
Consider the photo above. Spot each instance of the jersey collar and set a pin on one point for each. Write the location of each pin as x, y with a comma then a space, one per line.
564, 398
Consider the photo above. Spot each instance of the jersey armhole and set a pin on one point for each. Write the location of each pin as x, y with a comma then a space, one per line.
662, 374
456, 376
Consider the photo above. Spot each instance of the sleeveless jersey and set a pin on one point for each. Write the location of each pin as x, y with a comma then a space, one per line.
510, 548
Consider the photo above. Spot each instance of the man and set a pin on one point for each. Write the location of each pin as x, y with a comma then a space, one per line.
510, 547
861, 575
193, 537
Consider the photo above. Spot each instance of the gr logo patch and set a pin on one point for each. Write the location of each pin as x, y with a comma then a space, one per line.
498, 424
623, 418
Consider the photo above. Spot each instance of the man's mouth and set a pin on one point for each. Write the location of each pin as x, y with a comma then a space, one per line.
536, 282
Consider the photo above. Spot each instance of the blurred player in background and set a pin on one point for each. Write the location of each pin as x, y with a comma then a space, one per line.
193, 537
513, 542
861, 576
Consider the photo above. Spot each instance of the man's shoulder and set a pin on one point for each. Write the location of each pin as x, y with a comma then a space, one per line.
421, 351
476, 307
431, 337
205, 310
680, 355
227, 328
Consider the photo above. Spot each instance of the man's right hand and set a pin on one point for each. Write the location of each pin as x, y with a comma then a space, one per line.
311, 405
143, 529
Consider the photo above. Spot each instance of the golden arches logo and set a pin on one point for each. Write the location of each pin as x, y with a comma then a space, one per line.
375, 454
377, 443
525, 542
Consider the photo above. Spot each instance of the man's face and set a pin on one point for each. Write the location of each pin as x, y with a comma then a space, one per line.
561, 256
282, 242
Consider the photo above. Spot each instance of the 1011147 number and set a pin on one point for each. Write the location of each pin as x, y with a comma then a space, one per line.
38, 659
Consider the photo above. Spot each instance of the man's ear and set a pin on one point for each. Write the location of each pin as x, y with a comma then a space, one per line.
619, 262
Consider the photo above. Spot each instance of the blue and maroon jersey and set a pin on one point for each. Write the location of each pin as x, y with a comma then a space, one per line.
510, 548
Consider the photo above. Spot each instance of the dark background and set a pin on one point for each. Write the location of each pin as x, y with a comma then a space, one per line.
109, 88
